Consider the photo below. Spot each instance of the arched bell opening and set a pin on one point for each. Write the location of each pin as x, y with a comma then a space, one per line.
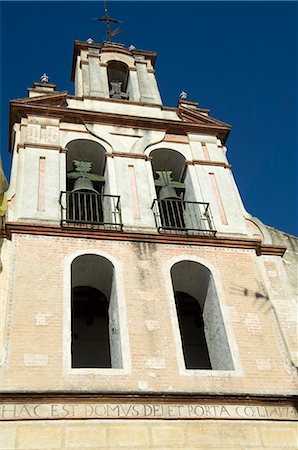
90, 153
177, 208
85, 181
118, 74
168, 168
164, 159
202, 331
94, 318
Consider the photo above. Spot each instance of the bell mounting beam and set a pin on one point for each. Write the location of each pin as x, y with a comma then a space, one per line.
165, 179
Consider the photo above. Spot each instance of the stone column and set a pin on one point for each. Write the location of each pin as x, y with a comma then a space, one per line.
95, 73
154, 87
134, 90
85, 76
144, 82
104, 80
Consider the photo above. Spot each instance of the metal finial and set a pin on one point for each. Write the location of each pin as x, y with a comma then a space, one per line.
108, 20
44, 78
183, 95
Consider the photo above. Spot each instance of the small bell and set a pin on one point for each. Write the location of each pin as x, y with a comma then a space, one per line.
84, 184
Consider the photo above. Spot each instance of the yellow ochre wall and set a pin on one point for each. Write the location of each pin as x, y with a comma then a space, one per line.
146, 434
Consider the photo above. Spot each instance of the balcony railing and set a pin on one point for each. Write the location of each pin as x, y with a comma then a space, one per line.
183, 216
90, 210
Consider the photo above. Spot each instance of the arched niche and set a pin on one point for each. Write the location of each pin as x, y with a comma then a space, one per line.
202, 330
87, 151
167, 159
173, 187
118, 77
95, 336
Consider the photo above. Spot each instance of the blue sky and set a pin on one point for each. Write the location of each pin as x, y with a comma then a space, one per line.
237, 59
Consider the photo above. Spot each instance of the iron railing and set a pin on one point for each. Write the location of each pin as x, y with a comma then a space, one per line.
183, 216
90, 210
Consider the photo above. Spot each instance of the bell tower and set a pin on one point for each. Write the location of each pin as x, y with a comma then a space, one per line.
142, 306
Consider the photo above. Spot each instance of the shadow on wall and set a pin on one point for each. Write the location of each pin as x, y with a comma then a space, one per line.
255, 295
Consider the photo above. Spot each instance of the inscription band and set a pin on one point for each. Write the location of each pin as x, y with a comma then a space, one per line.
97, 410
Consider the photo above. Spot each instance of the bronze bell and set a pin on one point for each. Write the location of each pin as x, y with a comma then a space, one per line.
168, 193
84, 184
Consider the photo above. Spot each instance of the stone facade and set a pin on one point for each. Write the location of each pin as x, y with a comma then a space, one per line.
140, 257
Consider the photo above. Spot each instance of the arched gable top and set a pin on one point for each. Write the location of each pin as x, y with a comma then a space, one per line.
109, 57
192, 278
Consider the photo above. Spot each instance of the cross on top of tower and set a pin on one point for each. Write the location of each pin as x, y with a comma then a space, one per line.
108, 21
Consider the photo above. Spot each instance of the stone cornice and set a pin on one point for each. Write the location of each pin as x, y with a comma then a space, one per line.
71, 115
132, 236
128, 155
290, 398
41, 146
120, 101
152, 105
204, 162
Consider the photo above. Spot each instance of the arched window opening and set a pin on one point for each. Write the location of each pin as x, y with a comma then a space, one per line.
90, 326
202, 331
118, 80
192, 332
85, 202
95, 337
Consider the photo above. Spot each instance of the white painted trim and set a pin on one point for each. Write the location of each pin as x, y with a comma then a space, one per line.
125, 347
238, 371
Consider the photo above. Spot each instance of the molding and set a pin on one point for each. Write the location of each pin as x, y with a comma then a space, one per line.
78, 116
178, 139
203, 162
128, 155
113, 49
189, 103
42, 146
194, 114
154, 105
271, 250
49, 98
158, 238
117, 100
131, 395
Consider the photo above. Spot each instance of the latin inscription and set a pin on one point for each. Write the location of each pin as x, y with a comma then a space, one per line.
13, 411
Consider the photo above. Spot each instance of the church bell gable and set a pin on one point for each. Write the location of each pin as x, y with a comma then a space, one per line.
141, 305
